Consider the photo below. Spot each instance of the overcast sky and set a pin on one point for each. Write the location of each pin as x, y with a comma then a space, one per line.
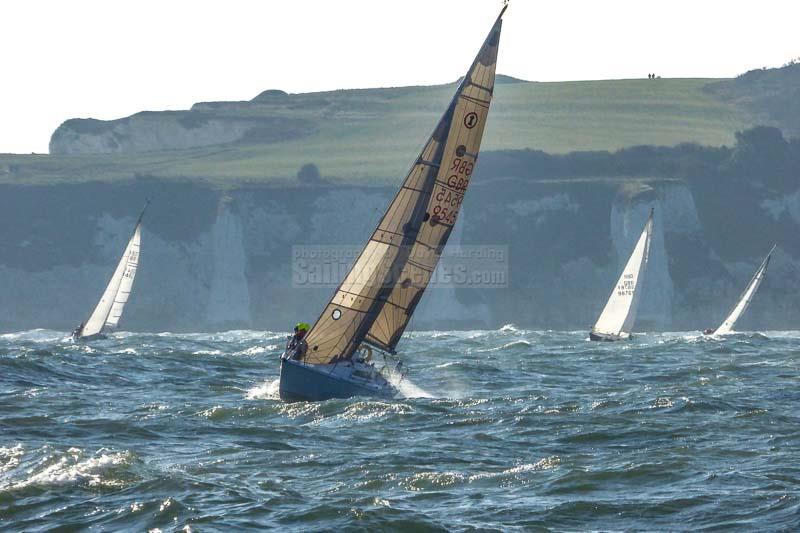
109, 59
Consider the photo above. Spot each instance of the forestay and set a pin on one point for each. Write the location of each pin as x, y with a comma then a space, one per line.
108, 311
745, 299
378, 296
619, 314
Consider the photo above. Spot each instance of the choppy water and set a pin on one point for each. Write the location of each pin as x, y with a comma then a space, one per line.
520, 430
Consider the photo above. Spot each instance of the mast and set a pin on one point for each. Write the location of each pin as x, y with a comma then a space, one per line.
378, 296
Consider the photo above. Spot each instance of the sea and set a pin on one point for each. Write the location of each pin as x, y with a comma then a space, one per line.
506, 430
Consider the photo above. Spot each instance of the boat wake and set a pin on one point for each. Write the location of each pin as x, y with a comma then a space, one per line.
408, 389
269, 390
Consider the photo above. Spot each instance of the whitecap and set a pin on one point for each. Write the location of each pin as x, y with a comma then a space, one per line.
207, 352
72, 468
9, 457
370, 410
255, 350
269, 390
544, 464
408, 389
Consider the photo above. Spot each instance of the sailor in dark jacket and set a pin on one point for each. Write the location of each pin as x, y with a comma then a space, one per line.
297, 347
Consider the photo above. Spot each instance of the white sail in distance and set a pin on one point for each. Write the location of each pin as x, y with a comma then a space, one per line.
744, 300
619, 314
108, 311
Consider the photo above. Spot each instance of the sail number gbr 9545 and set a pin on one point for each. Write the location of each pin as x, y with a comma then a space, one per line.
447, 200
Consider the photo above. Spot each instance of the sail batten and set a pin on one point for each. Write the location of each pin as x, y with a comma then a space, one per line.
745, 298
619, 313
378, 296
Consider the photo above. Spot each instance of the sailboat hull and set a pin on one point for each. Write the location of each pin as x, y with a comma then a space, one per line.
300, 382
608, 337
88, 338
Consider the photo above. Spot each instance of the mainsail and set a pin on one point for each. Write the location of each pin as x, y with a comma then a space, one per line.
375, 301
619, 313
108, 311
745, 298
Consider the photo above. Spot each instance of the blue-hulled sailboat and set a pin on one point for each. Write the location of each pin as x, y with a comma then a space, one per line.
372, 307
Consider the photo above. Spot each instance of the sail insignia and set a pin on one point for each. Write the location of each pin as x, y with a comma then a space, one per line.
380, 293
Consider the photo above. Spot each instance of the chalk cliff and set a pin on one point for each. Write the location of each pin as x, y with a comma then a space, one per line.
216, 259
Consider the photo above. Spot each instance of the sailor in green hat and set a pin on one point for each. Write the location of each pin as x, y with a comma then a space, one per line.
298, 346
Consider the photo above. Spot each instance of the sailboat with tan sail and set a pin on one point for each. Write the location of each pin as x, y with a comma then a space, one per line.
372, 307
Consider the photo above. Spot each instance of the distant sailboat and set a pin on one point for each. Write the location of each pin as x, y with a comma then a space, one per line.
619, 314
744, 300
108, 311
373, 305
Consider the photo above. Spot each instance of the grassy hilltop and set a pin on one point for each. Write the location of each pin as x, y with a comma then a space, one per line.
371, 135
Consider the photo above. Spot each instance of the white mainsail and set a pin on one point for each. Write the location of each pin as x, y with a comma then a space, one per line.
745, 299
619, 313
108, 311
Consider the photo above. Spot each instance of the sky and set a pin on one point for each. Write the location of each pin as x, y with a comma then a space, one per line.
109, 59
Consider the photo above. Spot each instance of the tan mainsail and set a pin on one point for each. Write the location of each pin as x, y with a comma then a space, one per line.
377, 298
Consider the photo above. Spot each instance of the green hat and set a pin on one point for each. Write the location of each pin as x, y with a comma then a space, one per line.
302, 326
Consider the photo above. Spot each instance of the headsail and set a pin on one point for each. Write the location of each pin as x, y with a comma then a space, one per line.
619, 313
108, 311
378, 296
746, 297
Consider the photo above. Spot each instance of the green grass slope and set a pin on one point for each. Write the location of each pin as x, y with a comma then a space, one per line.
373, 134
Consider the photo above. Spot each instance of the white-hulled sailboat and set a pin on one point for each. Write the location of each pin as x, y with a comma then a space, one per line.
619, 314
744, 300
108, 310
373, 305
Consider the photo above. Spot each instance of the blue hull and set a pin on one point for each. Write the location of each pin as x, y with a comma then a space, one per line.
304, 383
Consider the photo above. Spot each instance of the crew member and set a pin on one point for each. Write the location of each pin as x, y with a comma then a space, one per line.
297, 347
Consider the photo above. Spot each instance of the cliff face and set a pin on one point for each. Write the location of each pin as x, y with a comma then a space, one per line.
216, 259
170, 130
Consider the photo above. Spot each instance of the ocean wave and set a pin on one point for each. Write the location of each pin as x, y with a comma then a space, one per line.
547, 463
519, 343
437, 480
407, 388
269, 390
10, 457
523, 431
72, 467
365, 411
